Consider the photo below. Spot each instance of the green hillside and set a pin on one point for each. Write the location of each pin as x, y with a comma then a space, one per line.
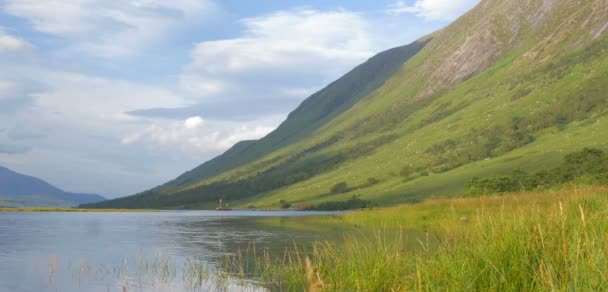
511, 84
314, 112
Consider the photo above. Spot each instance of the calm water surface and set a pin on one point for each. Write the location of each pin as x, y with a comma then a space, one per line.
122, 251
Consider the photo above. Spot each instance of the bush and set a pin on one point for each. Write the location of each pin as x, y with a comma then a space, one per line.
341, 187
372, 181
353, 203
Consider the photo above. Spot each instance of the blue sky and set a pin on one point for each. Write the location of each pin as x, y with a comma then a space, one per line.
118, 96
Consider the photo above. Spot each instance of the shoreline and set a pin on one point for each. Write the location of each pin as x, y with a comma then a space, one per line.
70, 210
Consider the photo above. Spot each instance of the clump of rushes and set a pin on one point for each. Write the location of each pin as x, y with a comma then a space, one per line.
550, 241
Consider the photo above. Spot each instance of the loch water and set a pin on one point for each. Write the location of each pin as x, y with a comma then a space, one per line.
66, 251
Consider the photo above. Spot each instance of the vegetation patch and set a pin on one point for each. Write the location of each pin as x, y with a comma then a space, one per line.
351, 204
547, 241
588, 166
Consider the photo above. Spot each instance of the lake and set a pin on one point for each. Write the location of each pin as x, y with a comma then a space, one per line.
137, 251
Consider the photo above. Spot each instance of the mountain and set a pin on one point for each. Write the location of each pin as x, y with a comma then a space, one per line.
17, 190
510, 84
314, 112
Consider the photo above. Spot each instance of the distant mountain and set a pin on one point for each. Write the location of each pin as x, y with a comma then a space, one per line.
19, 190
510, 84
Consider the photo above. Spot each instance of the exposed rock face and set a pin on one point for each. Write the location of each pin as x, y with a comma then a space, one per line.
469, 59
599, 18
499, 26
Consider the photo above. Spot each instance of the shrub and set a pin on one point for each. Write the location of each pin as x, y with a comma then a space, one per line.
372, 181
341, 187
353, 203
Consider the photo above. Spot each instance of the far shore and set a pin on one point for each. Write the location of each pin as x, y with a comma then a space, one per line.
51, 209
84, 210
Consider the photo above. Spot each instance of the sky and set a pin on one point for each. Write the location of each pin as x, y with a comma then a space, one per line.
117, 96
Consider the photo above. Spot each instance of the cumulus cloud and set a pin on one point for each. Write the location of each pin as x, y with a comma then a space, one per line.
194, 122
279, 59
433, 9
283, 49
10, 43
288, 39
111, 28
70, 96
192, 135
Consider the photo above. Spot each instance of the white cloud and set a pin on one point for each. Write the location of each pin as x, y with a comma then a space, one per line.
83, 97
194, 122
279, 48
10, 43
433, 9
242, 133
192, 135
110, 28
77, 121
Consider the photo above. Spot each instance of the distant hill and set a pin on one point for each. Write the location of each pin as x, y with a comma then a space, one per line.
19, 190
510, 84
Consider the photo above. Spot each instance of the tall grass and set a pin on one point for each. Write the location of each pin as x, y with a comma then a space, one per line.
554, 241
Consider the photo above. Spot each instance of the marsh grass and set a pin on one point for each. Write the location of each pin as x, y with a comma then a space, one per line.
550, 241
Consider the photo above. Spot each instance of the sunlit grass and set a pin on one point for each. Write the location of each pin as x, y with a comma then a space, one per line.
548, 241
556, 240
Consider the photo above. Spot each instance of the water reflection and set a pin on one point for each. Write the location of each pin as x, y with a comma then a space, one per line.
115, 251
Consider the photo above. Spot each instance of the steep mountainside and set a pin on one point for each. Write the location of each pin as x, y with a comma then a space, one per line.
511, 84
18, 190
314, 112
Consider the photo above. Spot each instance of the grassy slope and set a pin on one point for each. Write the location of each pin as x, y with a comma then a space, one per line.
313, 113
513, 60
481, 101
386, 162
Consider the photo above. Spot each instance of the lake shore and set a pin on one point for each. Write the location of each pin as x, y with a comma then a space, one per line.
50, 209
532, 241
